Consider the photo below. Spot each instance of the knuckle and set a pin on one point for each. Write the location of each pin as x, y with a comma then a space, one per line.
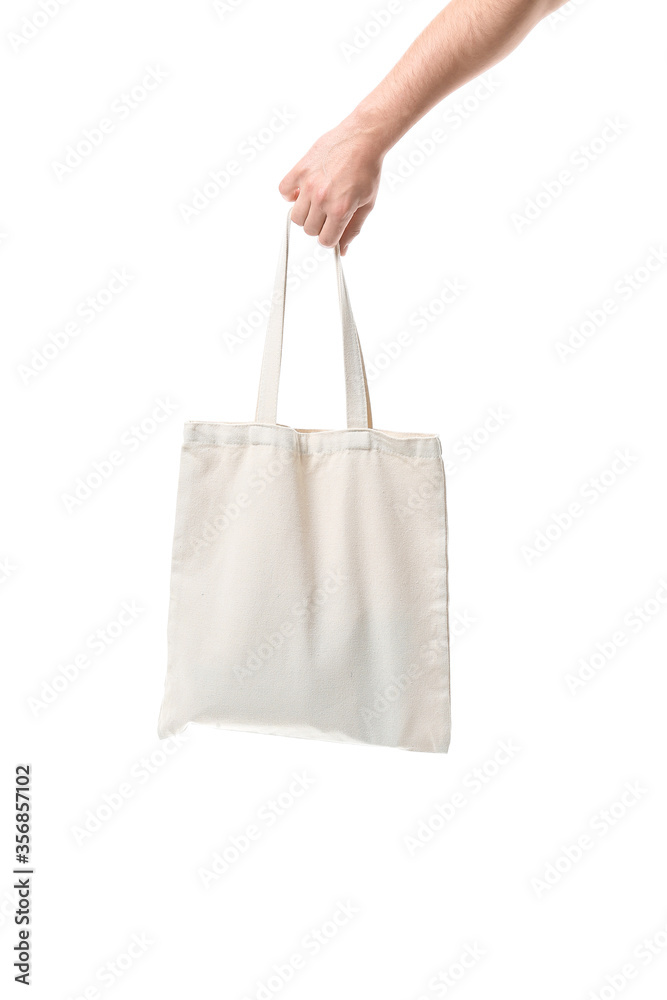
321, 192
340, 209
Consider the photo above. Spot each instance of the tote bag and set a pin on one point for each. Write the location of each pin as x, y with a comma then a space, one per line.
309, 590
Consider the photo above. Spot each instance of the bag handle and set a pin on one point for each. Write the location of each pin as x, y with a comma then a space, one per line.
358, 402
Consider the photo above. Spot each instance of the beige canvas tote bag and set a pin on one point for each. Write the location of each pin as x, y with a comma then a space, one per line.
309, 591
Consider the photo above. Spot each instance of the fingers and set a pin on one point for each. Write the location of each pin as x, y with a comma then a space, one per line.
315, 220
301, 208
289, 185
330, 228
325, 208
334, 227
353, 227
309, 212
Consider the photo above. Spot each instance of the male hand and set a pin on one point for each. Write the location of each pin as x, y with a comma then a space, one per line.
335, 184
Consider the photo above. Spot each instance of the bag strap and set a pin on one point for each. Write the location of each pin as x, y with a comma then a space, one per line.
358, 402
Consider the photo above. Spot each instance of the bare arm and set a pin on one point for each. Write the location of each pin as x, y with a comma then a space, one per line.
336, 183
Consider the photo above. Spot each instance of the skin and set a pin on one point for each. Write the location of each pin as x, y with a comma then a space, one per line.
334, 186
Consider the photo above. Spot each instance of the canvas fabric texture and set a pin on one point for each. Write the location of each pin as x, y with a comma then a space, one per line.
309, 584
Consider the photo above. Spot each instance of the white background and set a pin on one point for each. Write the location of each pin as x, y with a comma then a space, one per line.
527, 620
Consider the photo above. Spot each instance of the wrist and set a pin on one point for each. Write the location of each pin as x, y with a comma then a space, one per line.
372, 127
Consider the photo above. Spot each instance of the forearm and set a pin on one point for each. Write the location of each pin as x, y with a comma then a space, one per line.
464, 40
336, 183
